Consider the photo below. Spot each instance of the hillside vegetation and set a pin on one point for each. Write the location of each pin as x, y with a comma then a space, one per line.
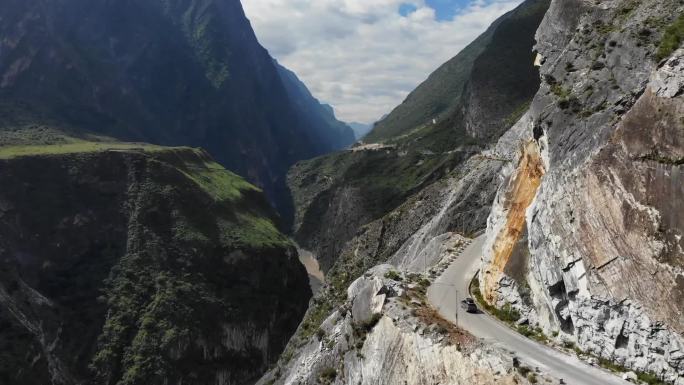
132, 261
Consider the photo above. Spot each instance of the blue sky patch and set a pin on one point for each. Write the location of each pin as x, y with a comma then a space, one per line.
406, 9
447, 9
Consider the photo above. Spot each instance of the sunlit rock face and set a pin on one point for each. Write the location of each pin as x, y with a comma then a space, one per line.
600, 258
381, 335
520, 190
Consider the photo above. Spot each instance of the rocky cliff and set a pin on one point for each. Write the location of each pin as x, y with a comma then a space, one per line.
326, 132
135, 264
587, 244
178, 72
385, 334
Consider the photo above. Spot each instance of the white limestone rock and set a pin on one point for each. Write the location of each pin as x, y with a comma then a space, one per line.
367, 299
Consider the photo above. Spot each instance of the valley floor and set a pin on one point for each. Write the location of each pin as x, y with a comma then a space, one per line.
313, 269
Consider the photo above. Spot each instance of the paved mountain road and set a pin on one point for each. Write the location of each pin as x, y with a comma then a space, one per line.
451, 287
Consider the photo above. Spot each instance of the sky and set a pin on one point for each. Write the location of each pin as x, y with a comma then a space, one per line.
364, 56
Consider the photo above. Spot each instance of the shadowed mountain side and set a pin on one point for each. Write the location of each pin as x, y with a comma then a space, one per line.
170, 72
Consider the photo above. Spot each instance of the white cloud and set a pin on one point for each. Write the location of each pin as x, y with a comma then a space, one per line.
362, 56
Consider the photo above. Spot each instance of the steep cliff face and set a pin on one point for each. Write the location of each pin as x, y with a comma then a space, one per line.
130, 264
336, 195
326, 131
600, 258
180, 72
520, 190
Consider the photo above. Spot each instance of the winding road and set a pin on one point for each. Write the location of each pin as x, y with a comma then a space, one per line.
451, 287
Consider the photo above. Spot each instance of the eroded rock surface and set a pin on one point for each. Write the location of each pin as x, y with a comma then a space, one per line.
600, 259
404, 342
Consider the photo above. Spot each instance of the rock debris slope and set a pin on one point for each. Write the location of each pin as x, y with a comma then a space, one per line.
595, 254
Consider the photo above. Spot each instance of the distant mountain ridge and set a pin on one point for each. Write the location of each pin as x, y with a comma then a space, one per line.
360, 129
337, 134
171, 72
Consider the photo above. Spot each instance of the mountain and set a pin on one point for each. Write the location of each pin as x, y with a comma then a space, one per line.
539, 171
326, 131
360, 129
169, 72
127, 263
564, 193
490, 80
336, 194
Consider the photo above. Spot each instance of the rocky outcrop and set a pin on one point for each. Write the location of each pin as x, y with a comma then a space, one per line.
130, 264
383, 334
519, 190
600, 258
